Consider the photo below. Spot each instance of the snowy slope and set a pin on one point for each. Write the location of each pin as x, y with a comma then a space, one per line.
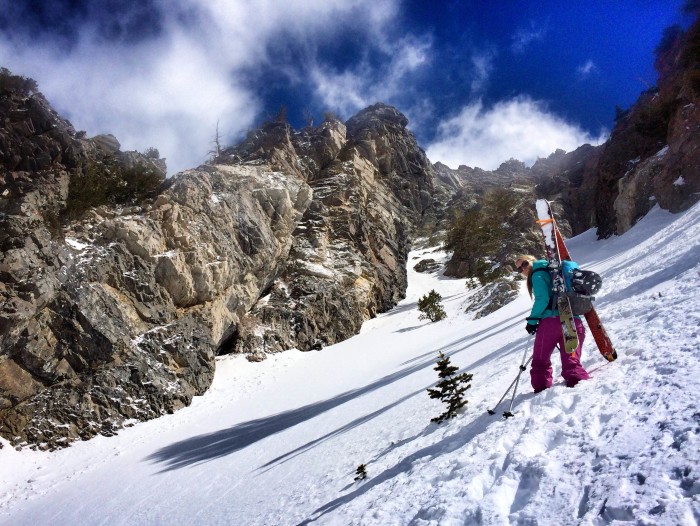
278, 442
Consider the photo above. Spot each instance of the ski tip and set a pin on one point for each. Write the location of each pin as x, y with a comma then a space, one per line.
543, 209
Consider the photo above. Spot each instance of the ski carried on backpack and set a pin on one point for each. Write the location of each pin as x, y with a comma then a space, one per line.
600, 336
566, 316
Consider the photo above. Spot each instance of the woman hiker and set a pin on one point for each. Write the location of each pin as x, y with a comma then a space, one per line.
544, 323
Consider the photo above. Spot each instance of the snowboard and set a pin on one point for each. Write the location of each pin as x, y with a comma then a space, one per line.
566, 316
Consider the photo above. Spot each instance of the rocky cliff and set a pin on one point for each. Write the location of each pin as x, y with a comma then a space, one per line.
114, 308
372, 186
652, 155
491, 217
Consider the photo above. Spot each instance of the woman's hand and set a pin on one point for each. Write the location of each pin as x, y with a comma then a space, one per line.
531, 328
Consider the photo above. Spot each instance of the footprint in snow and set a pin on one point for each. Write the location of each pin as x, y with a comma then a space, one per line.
528, 485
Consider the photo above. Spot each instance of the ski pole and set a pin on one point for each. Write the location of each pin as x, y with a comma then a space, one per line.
523, 367
493, 411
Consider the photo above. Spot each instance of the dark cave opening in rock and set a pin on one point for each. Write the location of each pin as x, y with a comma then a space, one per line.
228, 342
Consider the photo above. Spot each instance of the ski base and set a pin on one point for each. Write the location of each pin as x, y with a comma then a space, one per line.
568, 326
601, 337
554, 258
602, 340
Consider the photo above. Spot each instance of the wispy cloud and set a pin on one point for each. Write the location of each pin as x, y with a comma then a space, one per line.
524, 36
587, 68
521, 128
168, 90
482, 63
359, 86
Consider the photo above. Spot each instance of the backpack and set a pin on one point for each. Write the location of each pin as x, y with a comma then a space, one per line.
580, 287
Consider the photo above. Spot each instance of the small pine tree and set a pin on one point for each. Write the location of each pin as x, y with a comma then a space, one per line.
361, 472
450, 389
329, 116
152, 153
429, 306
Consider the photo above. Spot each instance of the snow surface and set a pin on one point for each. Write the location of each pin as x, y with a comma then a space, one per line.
74, 243
278, 442
662, 152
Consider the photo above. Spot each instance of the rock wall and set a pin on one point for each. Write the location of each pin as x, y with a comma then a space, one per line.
139, 301
117, 316
288, 240
652, 155
569, 181
372, 187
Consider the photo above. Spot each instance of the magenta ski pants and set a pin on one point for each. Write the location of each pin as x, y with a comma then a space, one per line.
546, 339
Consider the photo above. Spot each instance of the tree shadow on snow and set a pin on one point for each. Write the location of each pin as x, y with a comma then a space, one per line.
207, 447
477, 337
447, 445
366, 418
355, 423
400, 308
210, 446
409, 329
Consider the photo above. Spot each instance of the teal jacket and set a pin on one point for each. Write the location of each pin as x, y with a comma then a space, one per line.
542, 291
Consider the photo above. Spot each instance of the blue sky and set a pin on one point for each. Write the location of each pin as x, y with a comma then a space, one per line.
480, 81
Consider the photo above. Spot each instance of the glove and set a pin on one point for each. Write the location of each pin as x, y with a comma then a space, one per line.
531, 328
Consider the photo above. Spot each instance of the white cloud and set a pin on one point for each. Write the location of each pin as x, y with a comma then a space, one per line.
587, 68
525, 36
521, 128
169, 92
353, 89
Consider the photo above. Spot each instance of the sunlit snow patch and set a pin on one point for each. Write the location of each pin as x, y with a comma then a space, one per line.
74, 243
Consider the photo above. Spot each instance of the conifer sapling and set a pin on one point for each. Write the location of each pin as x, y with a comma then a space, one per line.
430, 308
450, 389
361, 472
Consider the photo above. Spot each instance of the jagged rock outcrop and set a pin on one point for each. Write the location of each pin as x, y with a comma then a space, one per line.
372, 186
139, 301
491, 218
464, 188
114, 312
117, 315
468, 181
492, 297
569, 181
